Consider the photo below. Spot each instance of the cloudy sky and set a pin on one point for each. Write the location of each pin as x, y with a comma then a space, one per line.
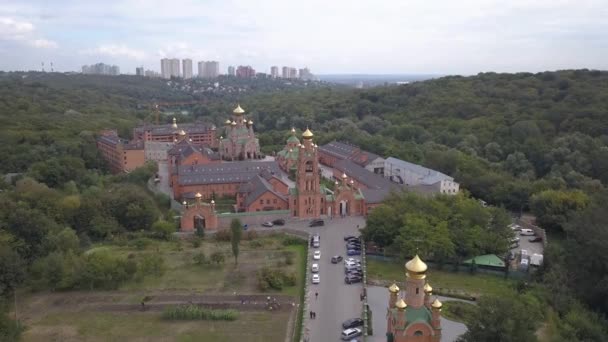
328, 36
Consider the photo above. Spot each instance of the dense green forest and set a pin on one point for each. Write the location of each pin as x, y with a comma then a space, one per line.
524, 142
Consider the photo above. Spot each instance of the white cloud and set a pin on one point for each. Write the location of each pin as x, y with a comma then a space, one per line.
44, 43
114, 50
12, 29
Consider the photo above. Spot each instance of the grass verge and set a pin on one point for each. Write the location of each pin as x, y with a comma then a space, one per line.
459, 311
302, 253
478, 284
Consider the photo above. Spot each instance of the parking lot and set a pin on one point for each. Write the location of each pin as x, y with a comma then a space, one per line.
337, 301
525, 244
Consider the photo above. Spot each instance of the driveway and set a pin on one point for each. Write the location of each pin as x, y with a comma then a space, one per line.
377, 298
337, 301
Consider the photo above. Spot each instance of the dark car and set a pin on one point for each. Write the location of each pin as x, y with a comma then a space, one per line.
352, 323
354, 245
353, 252
279, 222
336, 259
350, 237
536, 239
354, 273
352, 279
316, 223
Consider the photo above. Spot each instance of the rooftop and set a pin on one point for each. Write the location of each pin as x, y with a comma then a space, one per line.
342, 150
428, 176
255, 188
190, 128
233, 172
364, 176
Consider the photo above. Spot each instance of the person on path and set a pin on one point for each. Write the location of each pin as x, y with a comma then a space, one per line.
310, 314
314, 315
316, 295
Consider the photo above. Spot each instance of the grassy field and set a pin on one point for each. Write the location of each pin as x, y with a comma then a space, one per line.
478, 284
458, 311
93, 326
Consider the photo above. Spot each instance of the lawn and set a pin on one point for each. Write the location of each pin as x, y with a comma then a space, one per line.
478, 284
94, 326
458, 311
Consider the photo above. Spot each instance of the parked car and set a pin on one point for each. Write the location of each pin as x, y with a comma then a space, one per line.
347, 260
526, 232
514, 245
315, 268
316, 223
524, 254
514, 240
316, 279
279, 222
352, 323
355, 247
353, 252
511, 256
336, 259
349, 334
523, 265
514, 227
267, 224
350, 237
536, 239
354, 273
317, 255
352, 279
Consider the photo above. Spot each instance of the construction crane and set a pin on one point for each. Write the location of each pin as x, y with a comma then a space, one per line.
157, 105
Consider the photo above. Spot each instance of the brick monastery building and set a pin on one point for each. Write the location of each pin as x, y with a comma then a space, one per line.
412, 316
198, 174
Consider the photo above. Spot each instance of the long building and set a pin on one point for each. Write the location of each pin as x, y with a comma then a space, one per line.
187, 68
121, 155
200, 133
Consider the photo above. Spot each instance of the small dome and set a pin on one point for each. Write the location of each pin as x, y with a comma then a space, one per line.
393, 288
250, 123
352, 181
221, 137
416, 265
401, 304
212, 202
184, 202
238, 110
307, 134
181, 132
336, 183
198, 195
174, 125
290, 150
233, 123
293, 130
227, 122
428, 288
436, 304
344, 176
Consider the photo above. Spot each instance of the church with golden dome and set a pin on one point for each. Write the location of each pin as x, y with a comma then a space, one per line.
412, 314
240, 142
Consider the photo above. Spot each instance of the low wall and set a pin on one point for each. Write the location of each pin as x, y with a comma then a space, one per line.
252, 218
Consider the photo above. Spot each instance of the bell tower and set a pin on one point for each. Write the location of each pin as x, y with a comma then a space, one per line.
307, 200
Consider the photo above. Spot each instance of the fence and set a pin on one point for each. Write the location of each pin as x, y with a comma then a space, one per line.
366, 312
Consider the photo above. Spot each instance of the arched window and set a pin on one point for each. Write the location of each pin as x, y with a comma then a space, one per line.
308, 167
418, 333
417, 290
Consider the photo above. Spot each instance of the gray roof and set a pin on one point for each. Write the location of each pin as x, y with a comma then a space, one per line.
375, 195
363, 176
428, 176
116, 140
339, 149
185, 149
233, 172
255, 188
189, 128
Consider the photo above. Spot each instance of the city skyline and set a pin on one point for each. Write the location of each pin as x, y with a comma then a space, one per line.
375, 38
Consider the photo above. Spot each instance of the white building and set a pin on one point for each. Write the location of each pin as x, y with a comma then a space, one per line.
402, 172
174, 62
165, 68
231, 71
209, 69
274, 71
187, 68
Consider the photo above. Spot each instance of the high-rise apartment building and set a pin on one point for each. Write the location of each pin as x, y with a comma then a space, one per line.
165, 68
305, 74
285, 72
293, 73
187, 68
231, 71
139, 71
208, 69
175, 67
274, 71
101, 69
245, 71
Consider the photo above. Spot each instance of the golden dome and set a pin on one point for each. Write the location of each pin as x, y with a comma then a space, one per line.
401, 304
221, 137
393, 288
198, 195
307, 134
416, 265
227, 122
436, 304
344, 176
336, 182
181, 132
250, 122
184, 202
174, 125
352, 181
212, 202
290, 150
233, 123
238, 110
293, 130
428, 288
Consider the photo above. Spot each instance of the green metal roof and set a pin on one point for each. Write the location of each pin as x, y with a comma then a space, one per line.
414, 315
293, 139
486, 260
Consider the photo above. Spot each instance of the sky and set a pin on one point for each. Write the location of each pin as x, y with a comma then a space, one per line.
328, 36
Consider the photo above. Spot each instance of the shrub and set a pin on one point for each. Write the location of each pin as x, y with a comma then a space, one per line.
222, 235
274, 279
201, 259
289, 259
251, 235
194, 312
217, 257
196, 242
255, 244
292, 240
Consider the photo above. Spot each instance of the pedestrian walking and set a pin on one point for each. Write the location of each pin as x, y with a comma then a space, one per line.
310, 314
314, 315
316, 295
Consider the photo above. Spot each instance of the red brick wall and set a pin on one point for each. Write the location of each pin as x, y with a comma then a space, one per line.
268, 201
133, 159
224, 189
279, 186
326, 159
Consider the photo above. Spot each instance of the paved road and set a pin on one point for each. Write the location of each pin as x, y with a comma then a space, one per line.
377, 298
337, 301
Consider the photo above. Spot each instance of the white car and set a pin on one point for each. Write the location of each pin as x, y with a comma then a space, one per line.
352, 260
317, 255
352, 263
316, 279
315, 268
349, 334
